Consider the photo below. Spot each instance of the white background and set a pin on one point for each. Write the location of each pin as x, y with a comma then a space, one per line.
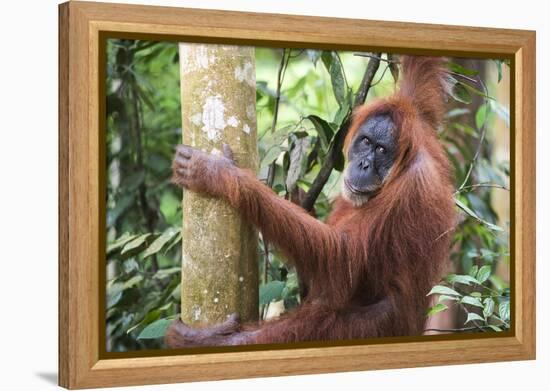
28, 163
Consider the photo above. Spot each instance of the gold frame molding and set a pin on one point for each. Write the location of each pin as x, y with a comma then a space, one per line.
83, 28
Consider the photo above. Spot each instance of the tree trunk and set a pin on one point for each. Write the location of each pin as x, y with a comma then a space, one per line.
220, 254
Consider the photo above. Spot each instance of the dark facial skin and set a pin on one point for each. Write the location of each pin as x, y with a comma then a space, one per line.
371, 155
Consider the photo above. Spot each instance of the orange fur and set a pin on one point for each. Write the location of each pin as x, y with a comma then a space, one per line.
368, 269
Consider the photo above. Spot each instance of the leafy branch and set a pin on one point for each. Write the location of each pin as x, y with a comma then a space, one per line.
482, 310
285, 58
481, 185
481, 138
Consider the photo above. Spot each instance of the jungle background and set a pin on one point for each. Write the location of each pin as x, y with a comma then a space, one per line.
303, 98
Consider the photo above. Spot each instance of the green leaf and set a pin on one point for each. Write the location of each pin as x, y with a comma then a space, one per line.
324, 131
158, 164
466, 209
339, 161
468, 130
488, 255
135, 244
120, 242
160, 242
460, 93
156, 329
272, 291
122, 205
145, 98
498, 282
149, 317
471, 213
457, 112
481, 116
169, 206
341, 115
504, 310
132, 181
114, 293
437, 308
279, 188
491, 226
163, 273
461, 279
443, 290
271, 155
474, 90
165, 306
327, 58
132, 281
296, 89
484, 273
269, 139
298, 161
473, 271
472, 301
304, 185
291, 286
488, 306
176, 240
473, 316
336, 72
130, 265
443, 298
176, 293
475, 294
457, 68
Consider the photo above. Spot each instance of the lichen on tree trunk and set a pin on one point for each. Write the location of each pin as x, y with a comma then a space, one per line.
220, 254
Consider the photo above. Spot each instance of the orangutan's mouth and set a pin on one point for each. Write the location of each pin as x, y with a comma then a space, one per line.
353, 189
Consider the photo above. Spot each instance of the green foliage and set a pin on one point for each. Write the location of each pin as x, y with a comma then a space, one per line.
154, 330
315, 98
481, 241
484, 307
143, 209
141, 295
272, 291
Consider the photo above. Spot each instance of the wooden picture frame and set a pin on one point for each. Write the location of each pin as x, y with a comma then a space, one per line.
83, 27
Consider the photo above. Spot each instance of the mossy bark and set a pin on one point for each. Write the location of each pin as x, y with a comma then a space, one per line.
220, 254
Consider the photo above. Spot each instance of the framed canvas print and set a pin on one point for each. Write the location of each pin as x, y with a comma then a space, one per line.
249, 195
